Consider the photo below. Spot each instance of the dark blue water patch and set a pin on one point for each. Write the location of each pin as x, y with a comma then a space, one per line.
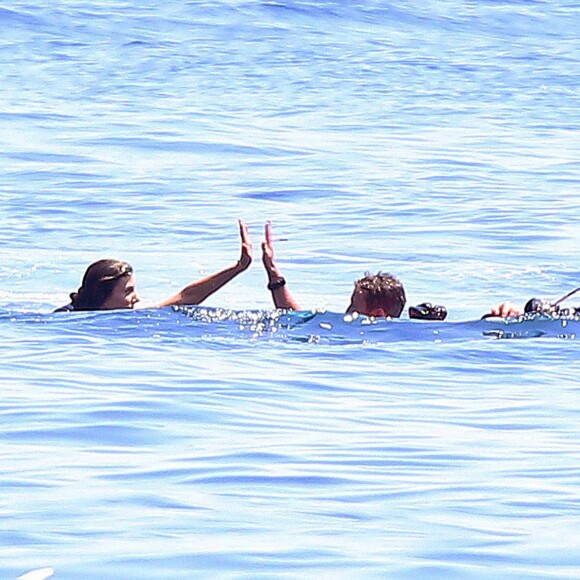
111, 435
298, 8
559, 180
51, 181
438, 162
14, 538
135, 475
200, 323
572, 166
294, 195
179, 475
345, 516
156, 501
256, 457
551, 506
349, 15
67, 44
413, 459
141, 43
44, 157
409, 492
488, 424
126, 412
556, 473
333, 328
31, 115
8, 17
11, 483
298, 481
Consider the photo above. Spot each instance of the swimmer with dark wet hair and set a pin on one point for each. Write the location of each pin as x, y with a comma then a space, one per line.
110, 284
380, 295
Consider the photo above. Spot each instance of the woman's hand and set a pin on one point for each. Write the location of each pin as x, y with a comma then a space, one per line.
247, 247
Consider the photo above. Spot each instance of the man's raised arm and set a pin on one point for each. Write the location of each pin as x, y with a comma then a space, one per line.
276, 282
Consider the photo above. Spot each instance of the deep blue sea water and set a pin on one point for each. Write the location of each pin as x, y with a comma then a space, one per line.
436, 140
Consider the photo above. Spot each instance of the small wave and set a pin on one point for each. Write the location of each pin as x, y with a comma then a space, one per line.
8, 15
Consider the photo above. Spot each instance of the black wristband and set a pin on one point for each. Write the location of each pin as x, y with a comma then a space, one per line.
277, 284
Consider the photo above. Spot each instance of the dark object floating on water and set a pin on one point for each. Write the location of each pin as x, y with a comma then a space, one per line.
428, 311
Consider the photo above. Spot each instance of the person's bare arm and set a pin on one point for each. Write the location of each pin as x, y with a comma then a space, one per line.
197, 292
276, 283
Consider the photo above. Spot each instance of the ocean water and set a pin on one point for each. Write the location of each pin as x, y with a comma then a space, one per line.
436, 140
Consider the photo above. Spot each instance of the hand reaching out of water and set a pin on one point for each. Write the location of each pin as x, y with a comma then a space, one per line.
247, 247
268, 253
197, 292
276, 283
505, 310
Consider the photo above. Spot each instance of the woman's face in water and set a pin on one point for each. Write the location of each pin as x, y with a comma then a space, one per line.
124, 294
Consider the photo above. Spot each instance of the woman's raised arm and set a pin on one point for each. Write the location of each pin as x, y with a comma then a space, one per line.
197, 292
